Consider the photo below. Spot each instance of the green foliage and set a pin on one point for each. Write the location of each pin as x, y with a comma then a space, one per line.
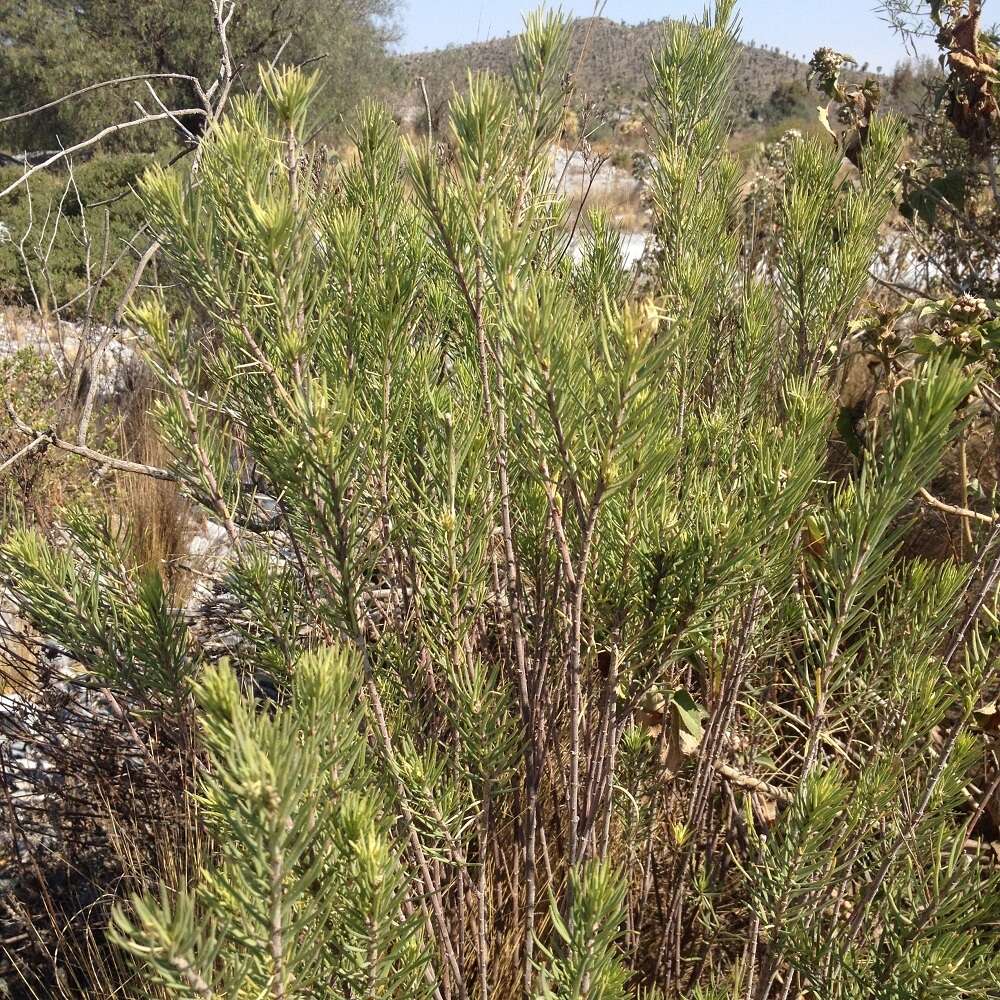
924, 201
514, 505
790, 99
830, 231
52, 49
585, 964
304, 896
108, 616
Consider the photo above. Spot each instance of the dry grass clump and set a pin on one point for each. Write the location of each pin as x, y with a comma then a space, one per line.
36, 488
621, 203
158, 520
105, 809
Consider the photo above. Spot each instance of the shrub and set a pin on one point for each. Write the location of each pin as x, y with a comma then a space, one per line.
789, 99
584, 679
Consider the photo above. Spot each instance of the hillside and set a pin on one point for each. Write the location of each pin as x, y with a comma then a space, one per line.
611, 72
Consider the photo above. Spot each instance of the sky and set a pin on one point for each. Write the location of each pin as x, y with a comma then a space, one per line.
796, 26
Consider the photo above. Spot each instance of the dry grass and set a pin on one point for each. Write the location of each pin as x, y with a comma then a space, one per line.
113, 819
118, 811
624, 206
35, 489
17, 652
159, 521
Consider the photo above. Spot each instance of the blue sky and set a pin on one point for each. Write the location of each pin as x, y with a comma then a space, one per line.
798, 26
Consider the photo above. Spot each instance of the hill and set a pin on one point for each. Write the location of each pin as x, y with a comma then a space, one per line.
610, 60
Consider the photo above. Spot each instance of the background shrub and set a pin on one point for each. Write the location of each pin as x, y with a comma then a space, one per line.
65, 229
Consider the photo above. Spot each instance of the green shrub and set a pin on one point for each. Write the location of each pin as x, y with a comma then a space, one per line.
586, 681
790, 99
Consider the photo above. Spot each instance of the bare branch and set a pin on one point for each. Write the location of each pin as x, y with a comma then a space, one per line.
947, 508
38, 444
156, 97
111, 83
100, 458
94, 140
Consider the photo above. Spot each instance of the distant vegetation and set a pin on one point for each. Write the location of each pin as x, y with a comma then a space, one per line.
609, 61
63, 230
131, 62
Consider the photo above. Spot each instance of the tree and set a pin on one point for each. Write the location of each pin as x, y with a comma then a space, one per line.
53, 47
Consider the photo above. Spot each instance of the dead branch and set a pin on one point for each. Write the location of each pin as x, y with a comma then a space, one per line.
95, 139
38, 444
948, 508
90, 454
193, 80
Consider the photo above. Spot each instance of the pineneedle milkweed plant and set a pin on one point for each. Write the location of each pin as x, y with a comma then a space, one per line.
587, 681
